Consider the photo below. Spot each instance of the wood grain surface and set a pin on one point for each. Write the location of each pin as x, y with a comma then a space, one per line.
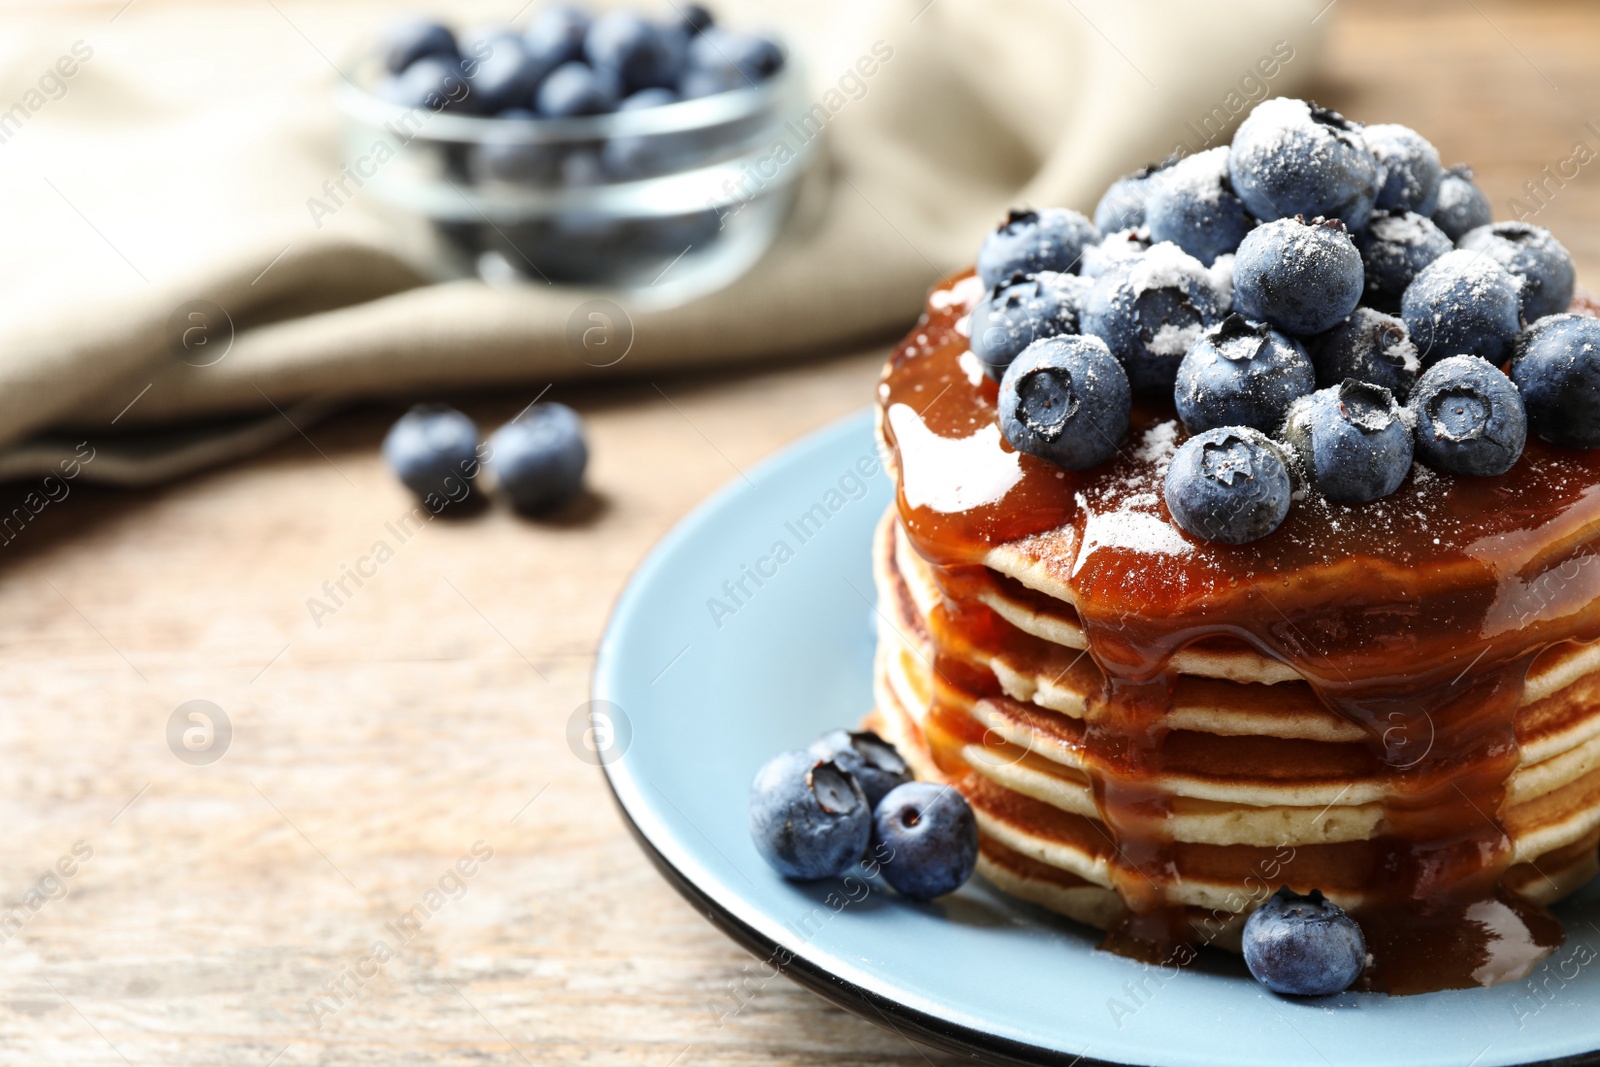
168, 913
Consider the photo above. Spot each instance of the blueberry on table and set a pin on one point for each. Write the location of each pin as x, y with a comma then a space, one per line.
1411, 167
405, 41
1303, 276
1469, 417
434, 82
433, 450
1122, 206
538, 458
1369, 346
1462, 205
874, 763
1229, 485
1353, 440
1150, 309
1463, 303
1032, 241
808, 817
1556, 367
1192, 205
1241, 373
1395, 247
642, 54
574, 89
1021, 310
1065, 400
1533, 256
926, 838
1293, 158
1303, 946
555, 35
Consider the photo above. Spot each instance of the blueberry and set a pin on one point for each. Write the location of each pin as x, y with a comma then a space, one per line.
1150, 310
433, 450
1193, 206
631, 156
694, 19
576, 89
1303, 946
1032, 241
1462, 205
1557, 368
808, 817
555, 36
1117, 251
1394, 250
1353, 440
1369, 346
1293, 158
538, 458
1301, 276
1241, 373
1065, 400
506, 76
1463, 303
1230, 485
1411, 167
644, 55
737, 59
1469, 417
1122, 206
1021, 310
434, 82
1532, 255
501, 156
405, 41
869, 759
926, 837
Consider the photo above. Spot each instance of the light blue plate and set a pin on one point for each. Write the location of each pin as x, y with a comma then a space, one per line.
709, 680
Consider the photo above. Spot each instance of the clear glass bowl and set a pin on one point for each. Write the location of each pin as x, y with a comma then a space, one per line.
662, 203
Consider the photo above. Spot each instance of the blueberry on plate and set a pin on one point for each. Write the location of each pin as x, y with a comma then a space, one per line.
433, 450
926, 838
1065, 400
1463, 303
1122, 205
1230, 485
808, 817
1411, 168
1353, 440
1241, 373
1021, 310
643, 55
1303, 276
1293, 158
1533, 256
1371, 347
434, 82
507, 76
576, 89
1032, 241
1395, 247
407, 40
555, 35
538, 457
1303, 946
1193, 206
1462, 205
874, 763
1116, 251
1150, 310
1556, 366
1469, 417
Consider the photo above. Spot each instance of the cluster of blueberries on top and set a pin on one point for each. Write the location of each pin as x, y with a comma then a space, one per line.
1325, 302
848, 800
537, 458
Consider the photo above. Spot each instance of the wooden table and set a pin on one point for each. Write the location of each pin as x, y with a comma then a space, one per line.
226, 913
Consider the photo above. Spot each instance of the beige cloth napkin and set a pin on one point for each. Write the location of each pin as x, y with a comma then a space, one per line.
175, 161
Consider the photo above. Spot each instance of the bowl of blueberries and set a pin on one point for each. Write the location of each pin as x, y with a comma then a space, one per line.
649, 156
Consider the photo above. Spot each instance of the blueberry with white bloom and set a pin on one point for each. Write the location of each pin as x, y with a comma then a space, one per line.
1463, 303
1395, 247
1469, 417
1022, 310
1411, 167
1122, 205
808, 817
1293, 158
1303, 276
874, 763
1462, 205
1532, 255
433, 450
1370, 347
1241, 373
1353, 440
407, 40
1149, 311
538, 458
1557, 369
928, 838
1032, 241
1229, 485
1303, 946
1065, 400
1193, 206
